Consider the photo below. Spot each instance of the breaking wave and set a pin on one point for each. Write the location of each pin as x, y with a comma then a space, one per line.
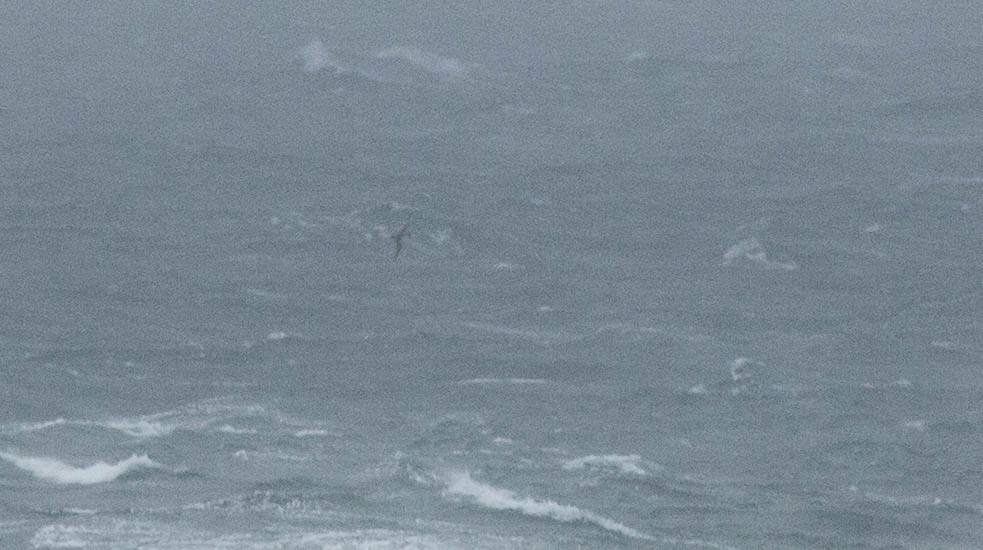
752, 251
625, 464
56, 471
444, 68
476, 381
316, 58
461, 485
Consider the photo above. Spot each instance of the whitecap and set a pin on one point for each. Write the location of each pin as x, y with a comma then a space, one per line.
312, 433
916, 501
317, 58
53, 470
846, 73
525, 334
132, 427
35, 426
145, 534
899, 383
944, 344
137, 427
914, 425
626, 464
698, 389
474, 381
194, 417
446, 68
462, 485
441, 236
739, 369
752, 250
226, 428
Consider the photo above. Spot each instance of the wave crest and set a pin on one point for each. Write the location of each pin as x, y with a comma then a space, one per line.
460, 484
625, 464
444, 68
50, 469
752, 250
317, 58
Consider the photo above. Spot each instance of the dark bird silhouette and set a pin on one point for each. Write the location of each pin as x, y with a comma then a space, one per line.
398, 237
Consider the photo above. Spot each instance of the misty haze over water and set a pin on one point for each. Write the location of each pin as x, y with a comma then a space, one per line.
674, 275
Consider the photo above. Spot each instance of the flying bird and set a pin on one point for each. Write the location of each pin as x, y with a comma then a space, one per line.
398, 237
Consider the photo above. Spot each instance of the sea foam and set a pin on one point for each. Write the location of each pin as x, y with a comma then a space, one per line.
461, 485
626, 464
752, 250
56, 471
445, 68
475, 381
33, 426
317, 58
138, 427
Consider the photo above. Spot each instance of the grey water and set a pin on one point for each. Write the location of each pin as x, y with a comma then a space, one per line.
678, 275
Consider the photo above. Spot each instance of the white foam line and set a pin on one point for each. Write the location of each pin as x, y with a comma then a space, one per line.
626, 464
50, 469
751, 249
138, 427
313, 432
132, 427
474, 381
444, 67
37, 426
460, 484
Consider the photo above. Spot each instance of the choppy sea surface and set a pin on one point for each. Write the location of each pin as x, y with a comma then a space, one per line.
654, 300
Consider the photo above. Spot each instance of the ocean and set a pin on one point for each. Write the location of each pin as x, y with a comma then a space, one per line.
677, 276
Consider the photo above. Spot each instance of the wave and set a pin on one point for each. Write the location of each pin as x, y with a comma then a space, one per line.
136, 427
931, 501
536, 337
50, 469
33, 426
402, 65
751, 250
461, 485
193, 417
899, 383
740, 369
626, 464
314, 432
476, 381
222, 415
147, 534
229, 429
444, 68
316, 58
